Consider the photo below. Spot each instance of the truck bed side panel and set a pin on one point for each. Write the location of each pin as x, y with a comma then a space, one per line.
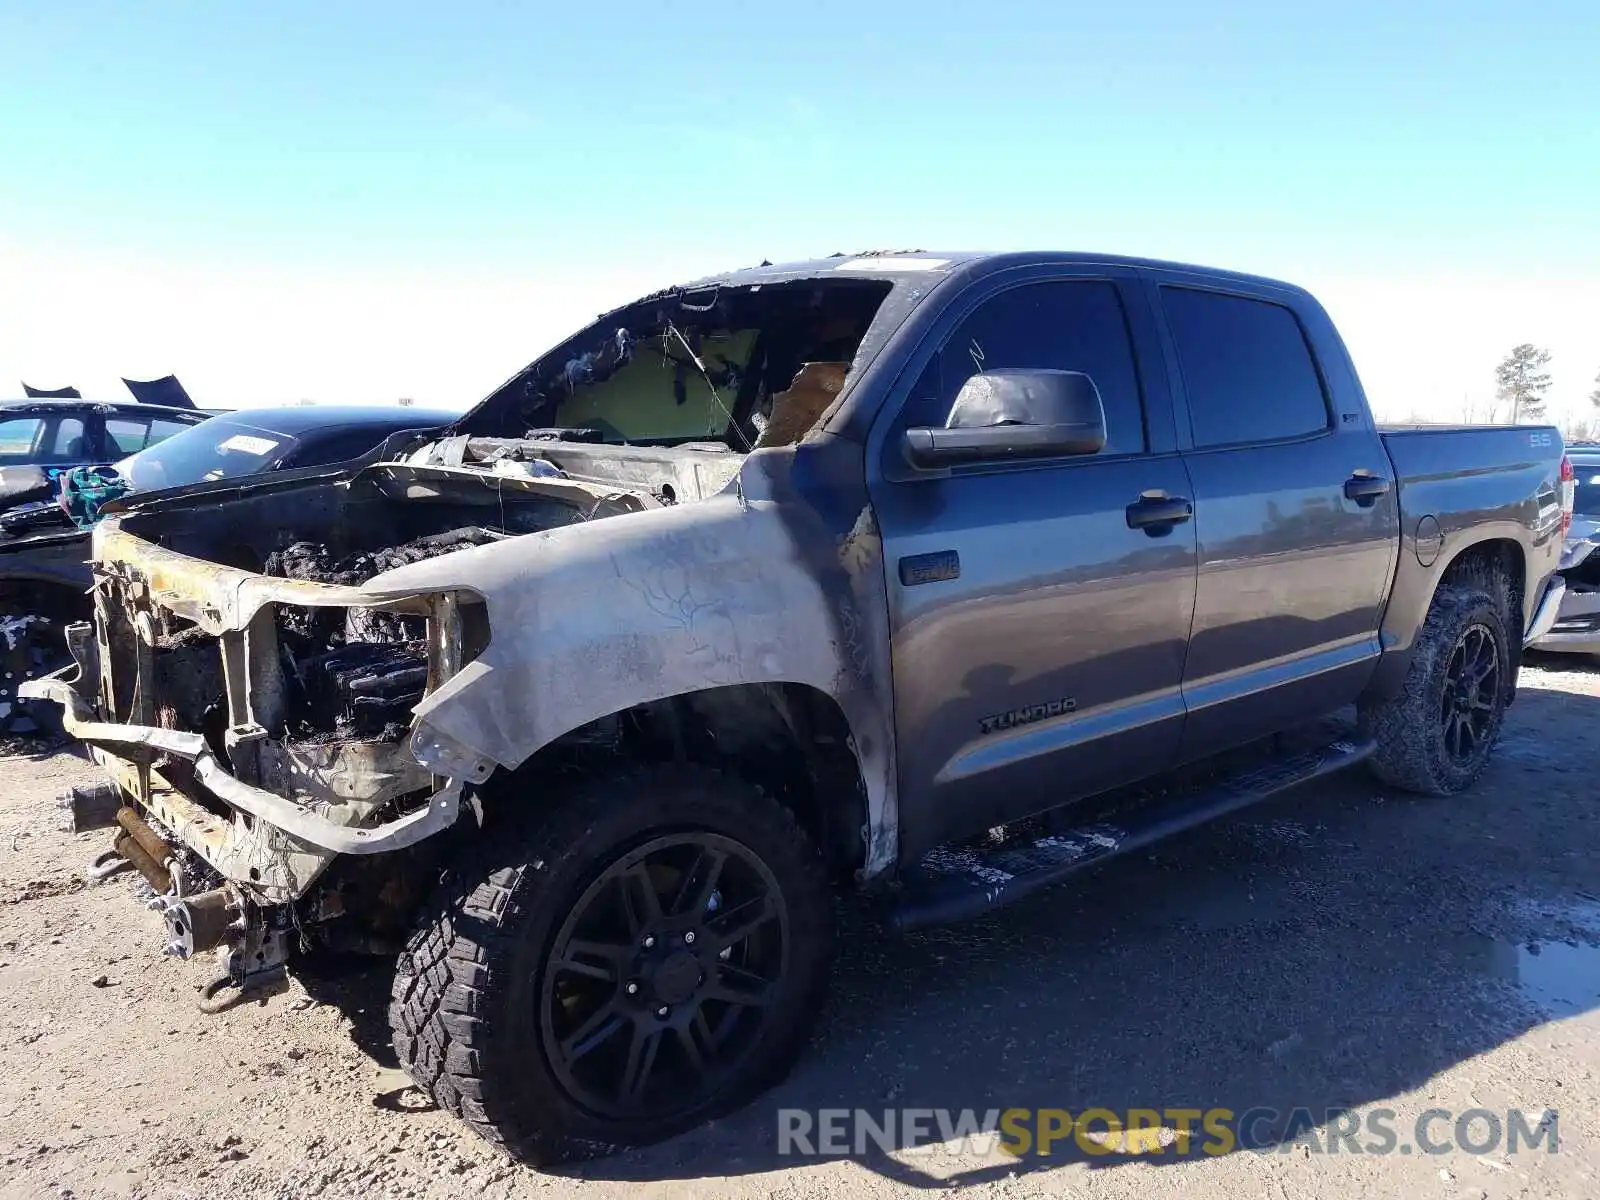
1478, 484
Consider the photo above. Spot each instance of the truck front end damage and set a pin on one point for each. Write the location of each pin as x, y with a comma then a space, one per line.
298, 686
259, 721
254, 740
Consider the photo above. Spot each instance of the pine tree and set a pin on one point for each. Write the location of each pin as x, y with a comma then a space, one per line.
1521, 380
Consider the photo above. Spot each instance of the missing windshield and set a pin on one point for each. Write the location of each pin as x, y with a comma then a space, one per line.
706, 366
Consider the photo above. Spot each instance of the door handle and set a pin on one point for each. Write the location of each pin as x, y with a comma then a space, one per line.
1365, 488
1157, 514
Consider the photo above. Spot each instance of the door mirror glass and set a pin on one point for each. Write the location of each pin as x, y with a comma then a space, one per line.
1013, 414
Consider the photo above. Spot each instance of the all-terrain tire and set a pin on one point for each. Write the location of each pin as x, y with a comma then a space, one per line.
1409, 726
465, 1011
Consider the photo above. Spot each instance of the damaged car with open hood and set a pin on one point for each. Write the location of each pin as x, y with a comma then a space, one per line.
876, 572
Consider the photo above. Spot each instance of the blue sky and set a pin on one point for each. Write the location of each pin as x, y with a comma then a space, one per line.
363, 200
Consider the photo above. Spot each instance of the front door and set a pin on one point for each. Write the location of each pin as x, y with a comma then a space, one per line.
1039, 619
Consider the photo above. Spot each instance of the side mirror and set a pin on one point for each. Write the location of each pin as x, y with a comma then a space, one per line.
1013, 414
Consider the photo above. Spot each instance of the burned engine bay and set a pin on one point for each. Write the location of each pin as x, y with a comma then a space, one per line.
654, 405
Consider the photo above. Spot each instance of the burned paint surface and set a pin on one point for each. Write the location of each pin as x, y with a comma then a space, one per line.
779, 579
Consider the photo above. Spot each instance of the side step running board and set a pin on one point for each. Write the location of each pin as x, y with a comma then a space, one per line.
957, 884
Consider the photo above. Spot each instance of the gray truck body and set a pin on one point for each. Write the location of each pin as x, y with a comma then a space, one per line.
987, 640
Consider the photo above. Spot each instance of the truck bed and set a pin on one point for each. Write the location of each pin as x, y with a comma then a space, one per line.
1499, 480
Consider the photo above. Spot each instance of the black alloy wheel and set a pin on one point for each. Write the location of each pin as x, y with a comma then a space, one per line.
661, 976
1469, 705
614, 959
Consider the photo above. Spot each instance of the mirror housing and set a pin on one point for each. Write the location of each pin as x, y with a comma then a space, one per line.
1013, 414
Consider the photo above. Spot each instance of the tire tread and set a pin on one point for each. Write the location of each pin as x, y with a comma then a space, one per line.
454, 975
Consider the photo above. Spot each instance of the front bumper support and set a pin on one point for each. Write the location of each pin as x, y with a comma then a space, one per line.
78, 719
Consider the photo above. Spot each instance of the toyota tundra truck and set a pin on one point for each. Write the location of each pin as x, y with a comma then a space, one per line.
876, 573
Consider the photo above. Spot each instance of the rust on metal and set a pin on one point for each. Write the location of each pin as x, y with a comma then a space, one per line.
155, 874
151, 842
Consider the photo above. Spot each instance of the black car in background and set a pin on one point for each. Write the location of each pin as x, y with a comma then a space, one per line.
44, 576
39, 439
250, 441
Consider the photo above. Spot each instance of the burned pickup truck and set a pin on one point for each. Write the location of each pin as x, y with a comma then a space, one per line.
874, 572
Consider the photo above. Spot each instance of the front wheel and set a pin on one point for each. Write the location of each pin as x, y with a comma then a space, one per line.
647, 955
1435, 736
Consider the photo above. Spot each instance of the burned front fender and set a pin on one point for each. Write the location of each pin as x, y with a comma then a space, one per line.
751, 586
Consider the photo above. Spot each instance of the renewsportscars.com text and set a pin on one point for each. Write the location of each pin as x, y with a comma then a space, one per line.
1043, 1132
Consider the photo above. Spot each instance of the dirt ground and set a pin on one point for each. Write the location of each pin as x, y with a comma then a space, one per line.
1341, 948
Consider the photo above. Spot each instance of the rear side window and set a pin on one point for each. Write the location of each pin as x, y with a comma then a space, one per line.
67, 443
1075, 325
1247, 371
127, 435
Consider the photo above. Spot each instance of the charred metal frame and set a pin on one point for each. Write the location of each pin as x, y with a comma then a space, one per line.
272, 845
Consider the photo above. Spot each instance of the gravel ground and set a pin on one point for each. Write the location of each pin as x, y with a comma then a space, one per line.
1341, 948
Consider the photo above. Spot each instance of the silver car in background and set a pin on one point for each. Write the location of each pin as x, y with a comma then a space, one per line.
1577, 625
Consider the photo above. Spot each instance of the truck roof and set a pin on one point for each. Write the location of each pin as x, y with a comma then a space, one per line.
913, 264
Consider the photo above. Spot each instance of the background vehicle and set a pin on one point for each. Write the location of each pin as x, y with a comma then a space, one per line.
44, 575
801, 577
1577, 625
40, 438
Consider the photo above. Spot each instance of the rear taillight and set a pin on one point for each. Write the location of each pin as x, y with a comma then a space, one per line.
1569, 492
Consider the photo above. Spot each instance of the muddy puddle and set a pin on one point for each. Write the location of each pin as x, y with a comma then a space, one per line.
1557, 973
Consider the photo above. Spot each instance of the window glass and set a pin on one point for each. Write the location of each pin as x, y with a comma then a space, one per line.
322, 449
1587, 500
1247, 371
161, 430
17, 438
220, 448
67, 444
127, 435
1067, 326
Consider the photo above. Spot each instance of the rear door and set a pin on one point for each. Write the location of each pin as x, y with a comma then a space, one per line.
1038, 629
1296, 513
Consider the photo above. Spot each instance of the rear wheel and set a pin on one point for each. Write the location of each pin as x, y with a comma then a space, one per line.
1435, 736
649, 954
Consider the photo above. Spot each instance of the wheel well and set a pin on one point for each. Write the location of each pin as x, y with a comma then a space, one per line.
1497, 566
790, 739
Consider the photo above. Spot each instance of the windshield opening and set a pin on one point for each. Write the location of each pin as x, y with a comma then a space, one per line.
692, 367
